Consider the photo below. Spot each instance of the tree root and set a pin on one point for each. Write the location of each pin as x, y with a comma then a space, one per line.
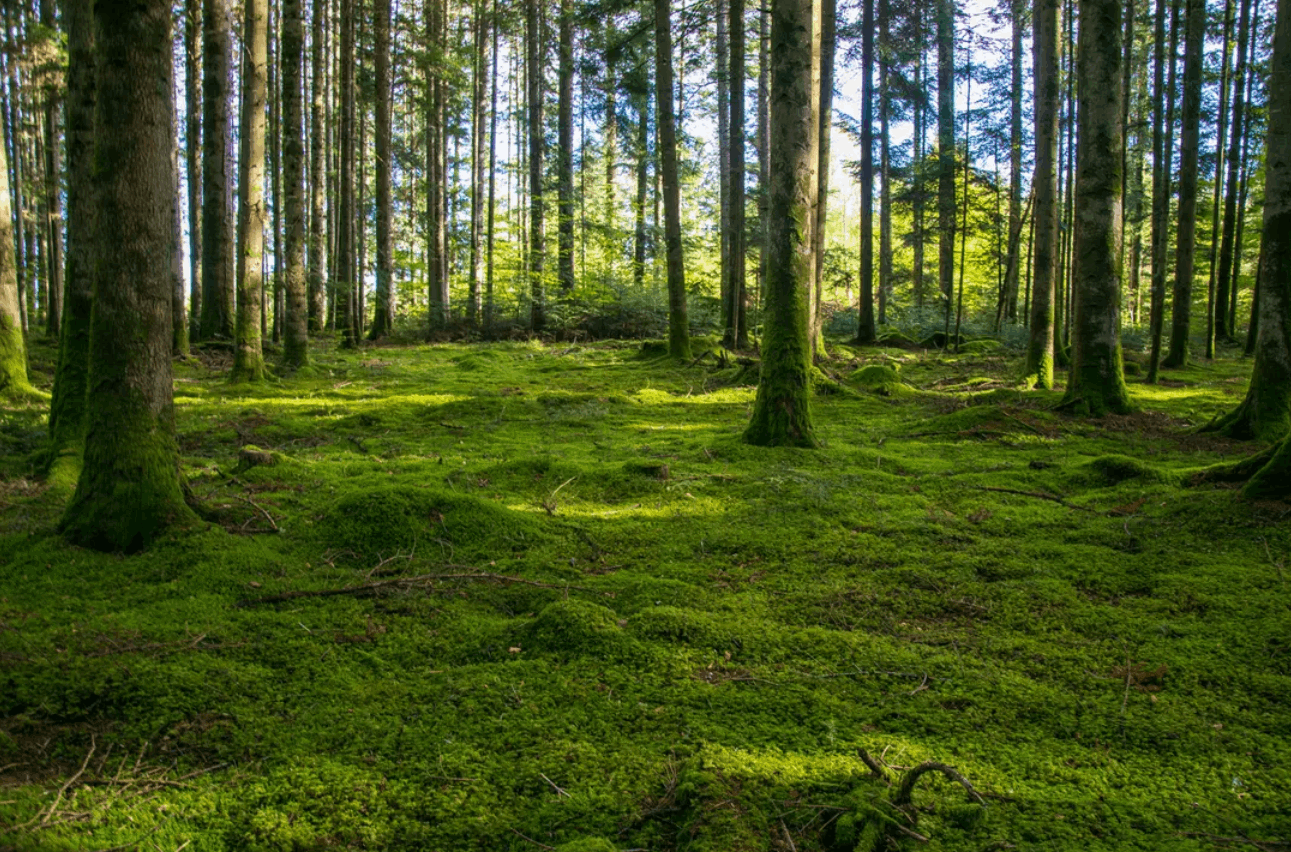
879, 821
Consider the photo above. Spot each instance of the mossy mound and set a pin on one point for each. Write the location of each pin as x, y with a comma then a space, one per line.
1114, 469
980, 347
882, 379
371, 522
575, 626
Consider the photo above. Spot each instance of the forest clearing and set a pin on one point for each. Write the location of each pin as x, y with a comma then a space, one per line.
541, 595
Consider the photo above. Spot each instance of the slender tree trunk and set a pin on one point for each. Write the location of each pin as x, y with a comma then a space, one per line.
67, 407
721, 73
736, 193
678, 324
782, 408
493, 158
1162, 173
917, 170
479, 94
13, 348
129, 488
295, 287
218, 298
611, 149
885, 163
275, 163
1046, 50
1224, 321
383, 315
865, 332
1213, 311
346, 212
968, 175
53, 195
764, 143
946, 148
316, 273
643, 188
193, 157
248, 360
1190, 137
565, 152
1013, 264
534, 69
15, 136
1097, 383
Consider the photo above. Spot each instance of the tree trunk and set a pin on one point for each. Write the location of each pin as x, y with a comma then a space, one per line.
67, 407
317, 273
1046, 52
917, 173
565, 152
1224, 321
764, 142
493, 157
129, 489
193, 159
383, 314
1013, 264
865, 331
885, 162
295, 288
248, 359
478, 106
1190, 137
534, 69
643, 187
735, 194
1162, 173
53, 195
1097, 383
218, 298
722, 71
678, 324
946, 148
782, 408
13, 348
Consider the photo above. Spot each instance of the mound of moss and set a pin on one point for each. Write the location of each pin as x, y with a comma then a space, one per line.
575, 627
374, 521
882, 379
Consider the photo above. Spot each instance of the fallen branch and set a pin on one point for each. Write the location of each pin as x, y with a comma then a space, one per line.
905, 792
268, 517
365, 589
1039, 495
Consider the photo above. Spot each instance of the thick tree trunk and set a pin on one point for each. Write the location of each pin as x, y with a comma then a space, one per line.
295, 352
865, 331
534, 69
1045, 56
383, 315
946, 148
1190, 137
248, 358
1097, 383
782, 408
219, 301
67, 407
129, 489
678, 324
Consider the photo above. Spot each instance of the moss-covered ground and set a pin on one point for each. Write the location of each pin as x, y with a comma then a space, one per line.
575, 611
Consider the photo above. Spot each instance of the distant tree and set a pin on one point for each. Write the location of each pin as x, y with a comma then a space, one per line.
782, 409
316, 273
1225, 322
865, 330
1097, 382
129, 488
535, 56
53, 193
735, 193
565, 150
946, 146
1162, 172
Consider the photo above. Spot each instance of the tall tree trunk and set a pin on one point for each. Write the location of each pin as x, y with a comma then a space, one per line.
643, 188
782, 408
295, 288
67, 407
275, 164
1213, 311
534, 69
678, 324
317, 271
1224, 321
478, 106
735, 195
248, 359
14, 136
764, 143
1046, 50
1162, 173
383, 315
218, 298
193, 159
346, 212
946, 147
53, 194
1097, 383
722, 72
1190, 137
919, 107
129, 488
865, 332
13, 348
565, 152
493, 157
610, 147
1012, 264
885, 162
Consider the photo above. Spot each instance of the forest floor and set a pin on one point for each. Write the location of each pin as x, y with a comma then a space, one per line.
524, 596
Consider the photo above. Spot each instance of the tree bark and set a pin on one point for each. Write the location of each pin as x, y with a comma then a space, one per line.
248, 357
946, 147
565, 152
219, 301
1224, 321
1162, 173
193, 158
295, 287
1190, 137
478, 107
735, 194
53, 196
782, 408
13, 348
346, 212
643, 188
678, 324
535, 59
1045, 57
317, 271
129, 489
383, 315
1097, 383
885, 161
865, 331
1013, 263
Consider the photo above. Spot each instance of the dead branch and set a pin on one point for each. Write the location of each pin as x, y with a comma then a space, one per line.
268, 517
905, 792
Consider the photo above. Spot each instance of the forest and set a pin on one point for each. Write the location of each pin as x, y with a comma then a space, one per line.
586, 425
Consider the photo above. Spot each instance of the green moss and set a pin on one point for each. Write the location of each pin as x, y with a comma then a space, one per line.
1115, 469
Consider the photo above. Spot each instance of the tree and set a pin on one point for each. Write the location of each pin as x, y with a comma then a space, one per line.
129, 489
248, 356
678, 324
535, 55
192, 156
1162, 142
383, 316
1013, 263
13, 348
218, 297
1225, 322
946, 147
565, 151
865, 332
782, 409
295, 353
53, 195
1189, 138
1097, 383
1045, 50
317, 174
735, 193
346, 313
479, 105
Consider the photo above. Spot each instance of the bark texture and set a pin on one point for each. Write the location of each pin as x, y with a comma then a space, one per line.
1045, 51
295, 352
218, 298
248, 355
678, 324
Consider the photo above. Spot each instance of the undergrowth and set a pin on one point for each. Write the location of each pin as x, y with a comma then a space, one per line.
525, 596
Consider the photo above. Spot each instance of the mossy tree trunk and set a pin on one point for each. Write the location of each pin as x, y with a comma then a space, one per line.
129, 489
1189, 138
1266, 411
67, 407
13, 349
678, 323
248, 357
828, 13
295, 293
1045, 50
1097, 383
782, 409
218, 297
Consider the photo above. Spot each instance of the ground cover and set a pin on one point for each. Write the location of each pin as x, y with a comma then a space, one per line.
526, 596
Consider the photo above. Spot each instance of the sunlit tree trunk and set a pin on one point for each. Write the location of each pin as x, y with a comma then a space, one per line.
317, 271
678, 324
295, 352
534, 70
1097, 382
129, 488
218, 297
248, 359
13, 348
1044, 251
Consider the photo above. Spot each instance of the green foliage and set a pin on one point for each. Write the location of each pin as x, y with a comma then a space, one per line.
620, 658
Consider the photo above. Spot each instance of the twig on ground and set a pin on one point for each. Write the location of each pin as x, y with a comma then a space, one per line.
905, 793
44, 820
531, 840
408, 582
560, 791
268, 517
1039, 495
788, 837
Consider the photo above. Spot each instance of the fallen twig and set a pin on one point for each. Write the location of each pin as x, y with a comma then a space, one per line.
560, 791
262, 510
531, 840
44, 820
